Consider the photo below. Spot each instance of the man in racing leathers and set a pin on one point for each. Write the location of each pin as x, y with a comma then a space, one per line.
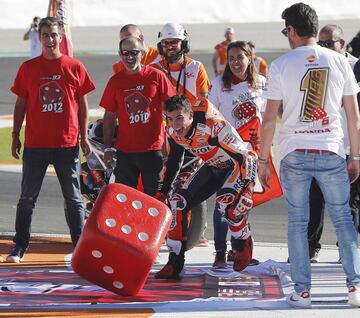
229, 169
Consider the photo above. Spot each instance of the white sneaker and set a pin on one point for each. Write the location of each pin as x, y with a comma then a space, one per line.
354, 295
301, 300
16, 255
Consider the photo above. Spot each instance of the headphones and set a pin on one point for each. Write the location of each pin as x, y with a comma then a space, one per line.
185, 44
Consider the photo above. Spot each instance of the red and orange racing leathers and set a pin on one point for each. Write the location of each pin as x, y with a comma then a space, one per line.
228, 169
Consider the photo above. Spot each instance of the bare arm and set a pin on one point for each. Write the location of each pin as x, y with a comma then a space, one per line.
353, 124
19, 115
108, 132
267, 134
83, 124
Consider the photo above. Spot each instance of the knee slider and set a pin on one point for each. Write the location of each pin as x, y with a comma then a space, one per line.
224, 198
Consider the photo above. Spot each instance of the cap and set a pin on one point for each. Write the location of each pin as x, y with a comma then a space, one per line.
229, 30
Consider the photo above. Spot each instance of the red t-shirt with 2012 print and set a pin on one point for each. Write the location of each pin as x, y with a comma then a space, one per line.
51, 89
138, 101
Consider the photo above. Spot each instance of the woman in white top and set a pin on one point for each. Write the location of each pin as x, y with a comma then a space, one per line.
237, 95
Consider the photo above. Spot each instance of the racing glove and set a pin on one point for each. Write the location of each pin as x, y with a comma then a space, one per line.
242, 204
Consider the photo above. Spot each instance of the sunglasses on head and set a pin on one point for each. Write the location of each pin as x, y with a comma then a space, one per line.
285, 31
327, 43
130, 52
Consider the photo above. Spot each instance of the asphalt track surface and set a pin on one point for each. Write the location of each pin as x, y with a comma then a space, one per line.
269, 221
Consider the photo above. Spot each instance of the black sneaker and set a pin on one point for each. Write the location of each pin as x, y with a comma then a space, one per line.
16, 255
219, 261
231, 256
174, 268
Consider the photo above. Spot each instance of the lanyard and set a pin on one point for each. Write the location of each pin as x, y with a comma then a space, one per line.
182, 71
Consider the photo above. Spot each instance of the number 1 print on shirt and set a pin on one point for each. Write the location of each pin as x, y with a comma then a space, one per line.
314, 85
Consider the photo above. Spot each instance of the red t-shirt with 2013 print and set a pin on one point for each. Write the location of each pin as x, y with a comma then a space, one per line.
51, 89
138, 101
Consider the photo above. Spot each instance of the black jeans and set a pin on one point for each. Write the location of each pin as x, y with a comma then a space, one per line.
317, 206
66, 162
130, 165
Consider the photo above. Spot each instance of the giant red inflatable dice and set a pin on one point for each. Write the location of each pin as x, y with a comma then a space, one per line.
121, 239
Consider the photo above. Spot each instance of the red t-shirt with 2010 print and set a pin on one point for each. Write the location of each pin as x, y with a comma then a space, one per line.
51, 89
138, 101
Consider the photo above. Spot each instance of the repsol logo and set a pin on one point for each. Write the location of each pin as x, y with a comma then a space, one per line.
200, 150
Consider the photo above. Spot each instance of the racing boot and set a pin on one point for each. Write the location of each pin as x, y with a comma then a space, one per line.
243, 254
174, 268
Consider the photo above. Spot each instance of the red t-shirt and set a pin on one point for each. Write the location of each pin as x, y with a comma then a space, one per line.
138, 101
51, 89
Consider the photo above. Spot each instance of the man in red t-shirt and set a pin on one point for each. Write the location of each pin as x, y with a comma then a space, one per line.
135, 97
51, 92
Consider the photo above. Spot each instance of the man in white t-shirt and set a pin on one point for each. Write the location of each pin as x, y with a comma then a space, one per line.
331, 36
32, 34
312, 83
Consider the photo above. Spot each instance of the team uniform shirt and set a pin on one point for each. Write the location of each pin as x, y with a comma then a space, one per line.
151, 56
240, 103
196, 82
221, 51
35, 44
215, 141
138, 101
51, 89
311, 81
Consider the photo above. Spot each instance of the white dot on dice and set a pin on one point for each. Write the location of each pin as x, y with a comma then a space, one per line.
126, 229
121, 197
143, 236
110, 222
118, 284
96, 254
108, 269
137, 205
153, 212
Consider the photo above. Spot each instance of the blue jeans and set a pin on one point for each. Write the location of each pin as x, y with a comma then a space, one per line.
220, 230
66, 162
221, 227
330, 171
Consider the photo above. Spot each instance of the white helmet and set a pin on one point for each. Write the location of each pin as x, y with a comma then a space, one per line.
95, 130
172, 31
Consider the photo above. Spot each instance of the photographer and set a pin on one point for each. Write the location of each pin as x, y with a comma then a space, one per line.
33, 35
